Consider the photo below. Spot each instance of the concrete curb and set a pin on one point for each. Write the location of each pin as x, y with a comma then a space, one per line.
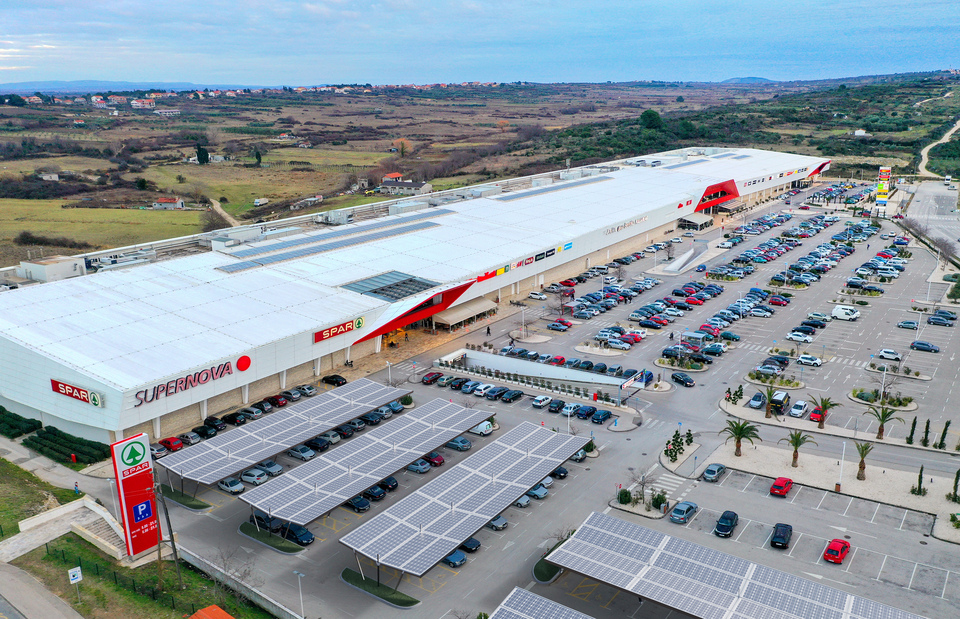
652, 515
265, 545
910, 376
377, 597
904, 409
759, 384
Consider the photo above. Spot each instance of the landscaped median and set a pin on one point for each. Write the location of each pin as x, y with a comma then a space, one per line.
386, 593
191, 503
267, 538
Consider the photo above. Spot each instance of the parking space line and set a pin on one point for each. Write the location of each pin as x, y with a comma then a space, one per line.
742, 530
822, 500
945, 581
848, 507
881, 567
904, 519
910, 584
850, 563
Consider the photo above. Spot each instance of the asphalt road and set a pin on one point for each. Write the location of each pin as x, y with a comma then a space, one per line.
935, 206
894, 560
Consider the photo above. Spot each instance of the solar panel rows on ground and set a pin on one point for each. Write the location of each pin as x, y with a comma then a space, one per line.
521, 604
244, 446
415, 533
701, 581
318, 486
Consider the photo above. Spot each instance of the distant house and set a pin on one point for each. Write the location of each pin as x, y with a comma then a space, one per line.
167, 204
50, 177
79, 123
143, 104
100, 104
393, 176
33, 99
405, 188
79, 100
116, 99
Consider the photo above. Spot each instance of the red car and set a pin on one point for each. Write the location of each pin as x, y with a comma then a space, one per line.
568, 282
817, 414
558, 360
434, 458
693, 301
631, 338
669, 300
172, 443
431, 377
715, 332
564, 322
804, 207
776, 301
781, 486
836, 551
277, 400
660, 320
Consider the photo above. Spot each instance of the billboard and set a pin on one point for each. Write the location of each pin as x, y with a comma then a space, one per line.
883, 186
133, 467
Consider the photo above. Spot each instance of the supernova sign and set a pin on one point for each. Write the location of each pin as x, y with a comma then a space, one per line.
336, 330
183, 383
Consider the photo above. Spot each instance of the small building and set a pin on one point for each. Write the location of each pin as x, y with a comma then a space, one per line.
79, 123
167, 204
393, 176
143, 104
405, 188
50, 177
33, 100
116, 99
52, 269
167, 112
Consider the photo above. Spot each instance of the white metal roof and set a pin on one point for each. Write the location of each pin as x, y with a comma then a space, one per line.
132, 326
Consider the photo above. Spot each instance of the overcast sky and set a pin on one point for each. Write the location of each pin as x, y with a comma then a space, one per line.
282, 42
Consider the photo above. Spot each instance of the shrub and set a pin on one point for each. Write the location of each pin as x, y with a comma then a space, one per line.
623, 497
590, 447
658, 500
406, 400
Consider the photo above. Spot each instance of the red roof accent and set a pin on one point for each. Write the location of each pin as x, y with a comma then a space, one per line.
168, 200
729, 189
393, 175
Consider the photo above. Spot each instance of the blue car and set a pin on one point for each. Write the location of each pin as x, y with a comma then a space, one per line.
556, 326
420, 466
701, 268
471, 386
455, 559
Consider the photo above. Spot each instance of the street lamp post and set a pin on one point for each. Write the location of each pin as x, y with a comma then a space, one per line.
113, 495
300, 589
389, 375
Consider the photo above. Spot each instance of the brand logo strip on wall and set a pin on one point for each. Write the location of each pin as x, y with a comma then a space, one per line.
526, 261
133, 468
346, 327
77, 393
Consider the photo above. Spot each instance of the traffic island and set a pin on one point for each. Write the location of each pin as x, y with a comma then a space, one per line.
663, 363
543, 572
184, 500
792, 385
600, 352
909, 408
917, 376
384, 593
271, 540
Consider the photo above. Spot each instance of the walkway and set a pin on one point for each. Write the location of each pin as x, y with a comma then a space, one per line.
29, 597
922, 168
227, 216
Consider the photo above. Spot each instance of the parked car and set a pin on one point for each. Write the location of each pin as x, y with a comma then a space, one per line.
215, 423
231, 485
277, 401
459, 443
172, 443
889, 353
334, 379
758, 401
713, 472
601, 416
809, 360
291, 395
301, 452
270, 467
455, 559
434, 458
420, 466
189, 438
542, 401
498, 524
297, 534
205, 432
726, 524
538, 492
682, 378
235, 419
254, 476
781, 535
389, 484
157, 451
924, 346
431, 377
358, 504
471, 545
374, 493
781, 486
683, 512
836, 551
307, 390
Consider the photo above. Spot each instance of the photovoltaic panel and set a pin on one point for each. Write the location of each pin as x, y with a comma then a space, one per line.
521, 604
243, 446
552, 188
416, 532
701, 581
340, 232
325, 247
321, 484
684, 164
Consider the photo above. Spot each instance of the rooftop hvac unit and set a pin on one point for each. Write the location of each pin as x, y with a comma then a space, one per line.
406, 207
541, 182
486, 191
571, 175
336, 218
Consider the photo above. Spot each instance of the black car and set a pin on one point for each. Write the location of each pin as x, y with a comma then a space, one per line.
946, 314
816, 324
344, 431
649, 324
374, 493
672, 353
585, 365
556, 405
700, 358
496, 393
780, 360
872, 288
389, 484
517, 352
457, 383
585, 412
371, 418
939, 321
806, 330
471, 545
726, 524
600, 368
559, 473
215, 423
924, 346
318, 444
205, 432
266, 522
298, 534
358, 504
683, 305
781, 535
334, 379
683, 379
512, 396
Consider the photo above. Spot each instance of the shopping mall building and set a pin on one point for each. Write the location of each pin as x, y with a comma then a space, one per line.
154, 338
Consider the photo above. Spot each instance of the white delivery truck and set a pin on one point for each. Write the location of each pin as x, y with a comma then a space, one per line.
845, 312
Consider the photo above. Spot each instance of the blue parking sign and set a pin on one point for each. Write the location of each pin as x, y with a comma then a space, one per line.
142, 511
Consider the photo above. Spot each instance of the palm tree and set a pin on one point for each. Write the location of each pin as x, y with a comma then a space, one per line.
864, 450
825, 404
797, 439
884, 415
770, 390
740, 431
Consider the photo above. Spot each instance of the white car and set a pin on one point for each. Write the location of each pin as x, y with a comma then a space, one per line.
539, 296
794, 336
809, 360
672, 311
688, 234
819, 316
618, 344
760, 313
301, 452
253, 476
676, 239
799, 409
889, 353
542, 401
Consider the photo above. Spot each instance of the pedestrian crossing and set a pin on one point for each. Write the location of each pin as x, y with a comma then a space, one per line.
406, 366
833, 361
669, 483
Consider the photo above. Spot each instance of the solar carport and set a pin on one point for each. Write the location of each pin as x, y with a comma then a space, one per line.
701, 581
521, 604
415, 533
318, 486
231, 451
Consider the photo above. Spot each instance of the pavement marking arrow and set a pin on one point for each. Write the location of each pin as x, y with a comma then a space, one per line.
507, 545
820, 577
246, 550
846, 530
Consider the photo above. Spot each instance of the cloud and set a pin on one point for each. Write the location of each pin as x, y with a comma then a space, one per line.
14, 68
43, 47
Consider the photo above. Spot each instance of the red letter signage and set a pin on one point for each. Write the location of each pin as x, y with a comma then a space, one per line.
334, 331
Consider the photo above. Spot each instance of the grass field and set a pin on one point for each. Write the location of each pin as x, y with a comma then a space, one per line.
324, 155
102, 598
99, 227
74, 164
381, 591
22, 494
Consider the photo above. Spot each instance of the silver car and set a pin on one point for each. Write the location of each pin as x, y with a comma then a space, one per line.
301, 452
331, 436
189, 438
307, 390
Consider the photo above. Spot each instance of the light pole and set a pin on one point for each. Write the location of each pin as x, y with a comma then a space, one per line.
113, 495
389, 375
300, 588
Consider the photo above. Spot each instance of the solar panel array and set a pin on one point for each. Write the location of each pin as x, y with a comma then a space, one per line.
521, 604
415, 533
320, 238
684, 164
325, 247
244, 446
701, 581
723, 155
552, 188
319, 485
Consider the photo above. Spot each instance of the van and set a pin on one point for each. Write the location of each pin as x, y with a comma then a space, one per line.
779, 402
609, 279
483, 428
845, 312
600, 268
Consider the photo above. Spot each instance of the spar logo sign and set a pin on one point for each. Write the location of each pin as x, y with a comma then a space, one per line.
133, 468
336, 330
133, 459
183, 383
77, 393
